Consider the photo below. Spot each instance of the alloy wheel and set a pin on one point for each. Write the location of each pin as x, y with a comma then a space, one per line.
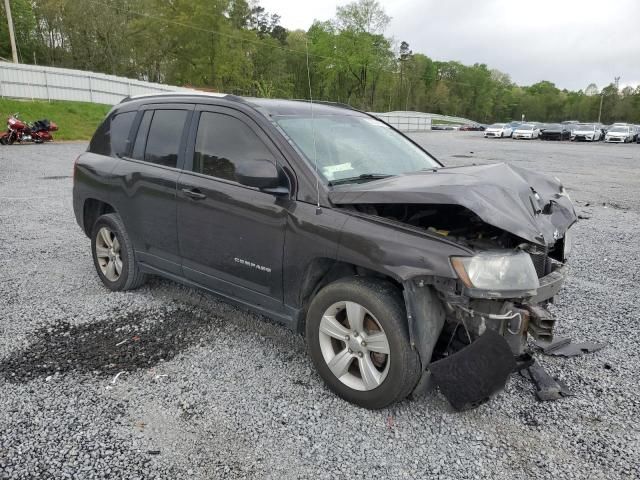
354, 346
108, 254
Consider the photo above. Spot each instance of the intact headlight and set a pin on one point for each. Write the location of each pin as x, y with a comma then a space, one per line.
497, 270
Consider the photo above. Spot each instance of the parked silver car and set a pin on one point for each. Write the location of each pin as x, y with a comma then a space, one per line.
620, 134
498, 130
587, 132
527, 131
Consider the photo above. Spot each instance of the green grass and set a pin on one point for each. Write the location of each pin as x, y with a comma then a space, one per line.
443, 122
75, 120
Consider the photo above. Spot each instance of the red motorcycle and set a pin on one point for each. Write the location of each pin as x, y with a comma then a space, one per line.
20, 131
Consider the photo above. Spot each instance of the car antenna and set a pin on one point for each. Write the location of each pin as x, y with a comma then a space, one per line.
313, 134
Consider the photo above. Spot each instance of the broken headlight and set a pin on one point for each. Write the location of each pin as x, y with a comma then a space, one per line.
497, 270
567, 245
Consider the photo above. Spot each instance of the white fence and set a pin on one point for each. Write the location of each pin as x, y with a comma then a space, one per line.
49, 83
417, 121
407, 121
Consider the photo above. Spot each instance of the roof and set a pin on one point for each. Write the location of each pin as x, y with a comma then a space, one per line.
265, 105
301, 107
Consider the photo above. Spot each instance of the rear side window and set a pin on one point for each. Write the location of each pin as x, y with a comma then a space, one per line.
112, 135
120, 128
163, 139
222, 142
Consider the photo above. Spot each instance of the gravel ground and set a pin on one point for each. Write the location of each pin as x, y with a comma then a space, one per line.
211, 391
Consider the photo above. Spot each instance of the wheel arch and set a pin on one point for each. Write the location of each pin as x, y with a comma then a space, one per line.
425, 312
323, 271
92, 209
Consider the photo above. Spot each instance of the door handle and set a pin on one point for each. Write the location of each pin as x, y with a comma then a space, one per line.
194, 193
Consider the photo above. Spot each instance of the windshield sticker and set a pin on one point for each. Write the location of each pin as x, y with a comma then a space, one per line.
330, 170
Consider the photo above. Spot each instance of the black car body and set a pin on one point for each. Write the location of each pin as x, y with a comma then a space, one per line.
556, 132
275, 234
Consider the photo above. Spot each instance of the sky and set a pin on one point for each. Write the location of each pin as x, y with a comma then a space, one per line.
570, 43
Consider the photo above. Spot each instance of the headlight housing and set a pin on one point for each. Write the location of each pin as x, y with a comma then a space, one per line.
497, 270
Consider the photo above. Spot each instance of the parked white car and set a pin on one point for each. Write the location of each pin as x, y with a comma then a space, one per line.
498, 130
619, 134
587, 132
527, 131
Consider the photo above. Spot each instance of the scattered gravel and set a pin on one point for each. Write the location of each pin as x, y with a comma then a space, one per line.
168, 382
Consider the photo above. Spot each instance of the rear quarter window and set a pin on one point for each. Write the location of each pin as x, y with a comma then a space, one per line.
112, 135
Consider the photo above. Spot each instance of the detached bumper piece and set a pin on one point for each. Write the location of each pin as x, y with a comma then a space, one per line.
547, 387
562, 347
470, 376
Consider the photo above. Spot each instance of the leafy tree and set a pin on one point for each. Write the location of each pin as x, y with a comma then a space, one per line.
237, 46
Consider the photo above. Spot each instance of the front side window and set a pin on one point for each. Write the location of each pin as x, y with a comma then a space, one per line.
163, 138
222, 142
353, 147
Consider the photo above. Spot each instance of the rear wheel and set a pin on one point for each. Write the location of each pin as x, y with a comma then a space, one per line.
113, 254
358, 340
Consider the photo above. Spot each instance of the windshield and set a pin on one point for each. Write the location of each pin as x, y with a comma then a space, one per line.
585, 127
497, 125
526, 127
620, 129
350, 147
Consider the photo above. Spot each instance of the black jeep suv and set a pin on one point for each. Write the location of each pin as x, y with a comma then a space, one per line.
331, 222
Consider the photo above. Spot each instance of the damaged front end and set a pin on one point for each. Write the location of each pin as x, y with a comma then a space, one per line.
483, 330
471, 324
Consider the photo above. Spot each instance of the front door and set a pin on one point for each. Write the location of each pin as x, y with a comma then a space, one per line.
231, 237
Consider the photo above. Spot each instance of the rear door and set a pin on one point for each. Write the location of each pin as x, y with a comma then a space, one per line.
231, 236
148, 176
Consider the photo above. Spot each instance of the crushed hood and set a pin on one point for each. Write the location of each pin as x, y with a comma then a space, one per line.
525, 203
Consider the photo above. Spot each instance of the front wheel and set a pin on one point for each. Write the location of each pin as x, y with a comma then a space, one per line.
113, 254
358, 340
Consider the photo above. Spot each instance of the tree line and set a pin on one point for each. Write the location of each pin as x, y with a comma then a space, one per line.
235, 46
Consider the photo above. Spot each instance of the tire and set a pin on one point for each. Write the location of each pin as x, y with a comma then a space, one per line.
116, 265
383, 316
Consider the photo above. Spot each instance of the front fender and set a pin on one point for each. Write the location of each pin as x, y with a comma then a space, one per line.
396, 251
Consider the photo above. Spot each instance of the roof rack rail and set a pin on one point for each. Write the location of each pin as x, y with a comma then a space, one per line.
194, 93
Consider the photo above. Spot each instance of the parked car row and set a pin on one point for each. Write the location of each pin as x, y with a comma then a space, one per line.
570, 130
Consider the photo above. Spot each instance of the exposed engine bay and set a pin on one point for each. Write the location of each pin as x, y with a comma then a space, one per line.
455, 222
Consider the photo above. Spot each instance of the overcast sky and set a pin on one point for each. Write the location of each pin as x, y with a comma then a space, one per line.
571, 43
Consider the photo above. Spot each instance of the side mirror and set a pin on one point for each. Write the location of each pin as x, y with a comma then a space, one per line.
261, 174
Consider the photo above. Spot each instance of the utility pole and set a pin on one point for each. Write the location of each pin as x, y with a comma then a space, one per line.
616, 82
600, 112
12, 37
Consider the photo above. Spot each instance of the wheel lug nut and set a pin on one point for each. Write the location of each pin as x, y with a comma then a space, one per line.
364, 344
360, 354
350, 351
355, 334
346, 338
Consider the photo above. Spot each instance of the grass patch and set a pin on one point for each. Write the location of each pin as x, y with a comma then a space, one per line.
75, 120
444, 122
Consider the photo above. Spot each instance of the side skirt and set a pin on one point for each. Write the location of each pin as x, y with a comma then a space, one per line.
289, 317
